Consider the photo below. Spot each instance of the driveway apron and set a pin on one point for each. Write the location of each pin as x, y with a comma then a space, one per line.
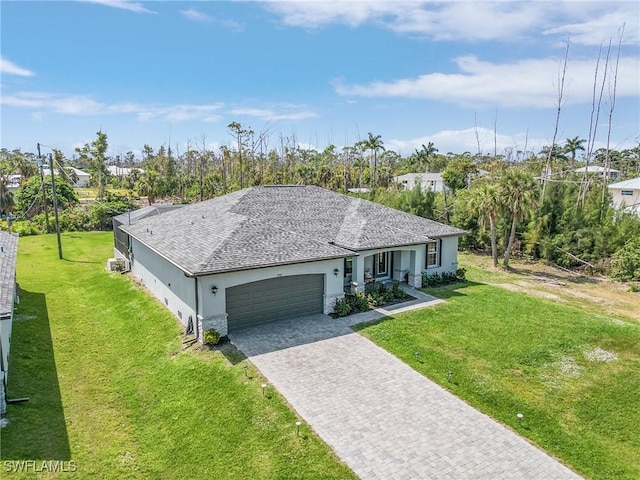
381, 417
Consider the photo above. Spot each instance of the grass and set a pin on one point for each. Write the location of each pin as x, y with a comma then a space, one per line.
514, 353
112, 389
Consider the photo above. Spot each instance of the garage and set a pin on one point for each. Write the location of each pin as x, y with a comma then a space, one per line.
274, 299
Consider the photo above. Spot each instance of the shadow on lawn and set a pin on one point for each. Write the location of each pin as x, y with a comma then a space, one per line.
449, 291
37, 428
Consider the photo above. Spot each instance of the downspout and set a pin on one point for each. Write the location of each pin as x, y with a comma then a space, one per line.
197, 325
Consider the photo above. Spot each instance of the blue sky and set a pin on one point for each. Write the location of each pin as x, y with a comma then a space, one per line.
320, 72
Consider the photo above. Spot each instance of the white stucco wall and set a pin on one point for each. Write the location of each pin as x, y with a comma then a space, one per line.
448, 256
627, 200
165, 281
177, 291
215, 305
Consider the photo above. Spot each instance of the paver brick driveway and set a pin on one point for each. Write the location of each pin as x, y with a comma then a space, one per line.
385, 420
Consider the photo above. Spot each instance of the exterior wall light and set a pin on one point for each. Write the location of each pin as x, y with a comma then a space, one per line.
214, 289
336, 272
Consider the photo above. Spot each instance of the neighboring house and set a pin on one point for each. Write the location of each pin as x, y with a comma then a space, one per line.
427, 181
626, 195
82, 178
121, 172
14, 183
596, 170
121, 238
267, 253
8, 297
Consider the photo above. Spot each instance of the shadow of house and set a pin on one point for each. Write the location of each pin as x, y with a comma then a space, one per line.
37, 429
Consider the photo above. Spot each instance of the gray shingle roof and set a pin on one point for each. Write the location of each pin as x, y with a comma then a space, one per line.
136, 215
8, 257
266, 226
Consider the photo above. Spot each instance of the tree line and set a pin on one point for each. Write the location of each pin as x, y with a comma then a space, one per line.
516, 203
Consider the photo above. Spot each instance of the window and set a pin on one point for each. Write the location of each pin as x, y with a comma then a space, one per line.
381, 264
433, 254
348, 268
626, 193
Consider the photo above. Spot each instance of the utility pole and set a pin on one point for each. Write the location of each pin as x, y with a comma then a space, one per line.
55, 206
44, 190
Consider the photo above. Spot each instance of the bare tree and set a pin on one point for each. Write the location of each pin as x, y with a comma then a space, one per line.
561, 77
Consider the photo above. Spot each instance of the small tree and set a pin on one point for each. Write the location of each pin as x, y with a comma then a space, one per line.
625, 264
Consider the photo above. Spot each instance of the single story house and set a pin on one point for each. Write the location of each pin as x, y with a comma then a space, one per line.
82, 178
8, 297
14, 183
427, 181
597, 170
274, 252
118, 171
626, 195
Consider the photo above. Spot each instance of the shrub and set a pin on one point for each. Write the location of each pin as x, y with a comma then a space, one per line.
211, 336
342, 307
396, 291
360, 303
444, 278
633, 288
625, 264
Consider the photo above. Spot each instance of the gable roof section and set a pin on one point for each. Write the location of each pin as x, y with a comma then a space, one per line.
632, 184
8, 258
267, 226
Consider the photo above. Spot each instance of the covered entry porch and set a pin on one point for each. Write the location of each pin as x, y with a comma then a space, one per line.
397, 263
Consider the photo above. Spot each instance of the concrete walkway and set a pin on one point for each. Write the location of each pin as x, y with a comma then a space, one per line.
382, 418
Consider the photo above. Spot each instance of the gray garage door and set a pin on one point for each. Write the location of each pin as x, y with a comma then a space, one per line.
274, 299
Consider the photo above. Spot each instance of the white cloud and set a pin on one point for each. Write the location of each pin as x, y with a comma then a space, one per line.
196, 16
181, 113
590, 24
136, 7
466, 140
7, 67
525, 83
86, 105
271, 115
470, 21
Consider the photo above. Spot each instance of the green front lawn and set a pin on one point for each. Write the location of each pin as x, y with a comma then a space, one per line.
574, 375
112, 389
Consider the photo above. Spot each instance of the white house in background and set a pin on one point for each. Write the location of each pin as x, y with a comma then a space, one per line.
427, 181
117, 171
626, 195
83, 179
8, 297
597, 170
268, 253
14, 182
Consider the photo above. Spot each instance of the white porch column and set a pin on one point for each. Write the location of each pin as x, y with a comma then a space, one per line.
358, 271
415, 268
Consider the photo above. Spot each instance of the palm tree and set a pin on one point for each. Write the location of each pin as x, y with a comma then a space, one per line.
6, 197
572, 145
429, 151
148, 185
374, 144
518, 191
486, 202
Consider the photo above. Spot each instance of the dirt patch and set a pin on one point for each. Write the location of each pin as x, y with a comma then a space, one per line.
596, 294
517, 287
